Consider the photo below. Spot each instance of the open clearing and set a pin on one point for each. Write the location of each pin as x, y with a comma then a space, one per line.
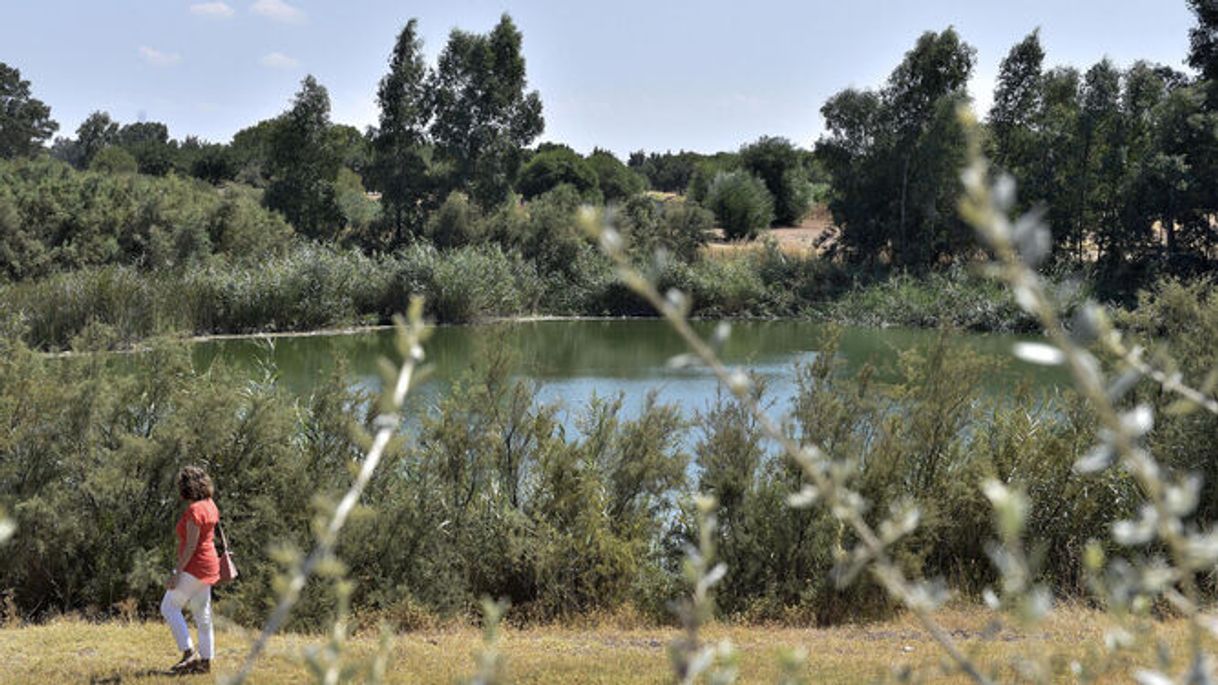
813, 235
72, 650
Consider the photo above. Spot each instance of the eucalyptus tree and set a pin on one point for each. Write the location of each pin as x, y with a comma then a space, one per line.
484, 116
303, 164
1055, 169
399, 144
1014, 117
853, 152
25, 121
1103, 158
922, 95
894, 156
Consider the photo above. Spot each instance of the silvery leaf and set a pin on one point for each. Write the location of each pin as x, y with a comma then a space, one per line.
1096, 459
1038, 353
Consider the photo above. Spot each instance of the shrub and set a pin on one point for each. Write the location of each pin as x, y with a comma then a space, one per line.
244, 230
455, 223
359, 212
704, 174
504, 285
728, 287
114, 160
551, 236
742, 205
616, 181
779, 165
677, 227
684, 228
557, 165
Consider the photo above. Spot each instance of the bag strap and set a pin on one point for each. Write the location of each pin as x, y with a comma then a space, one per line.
223, 537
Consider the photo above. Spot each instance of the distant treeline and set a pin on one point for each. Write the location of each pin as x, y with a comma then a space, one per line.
1122, 161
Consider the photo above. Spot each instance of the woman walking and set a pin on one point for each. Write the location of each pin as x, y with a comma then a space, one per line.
197, 569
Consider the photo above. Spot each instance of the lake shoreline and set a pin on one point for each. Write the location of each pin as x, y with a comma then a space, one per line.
338, 331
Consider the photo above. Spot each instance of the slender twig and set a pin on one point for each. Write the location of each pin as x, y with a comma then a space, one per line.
410, 335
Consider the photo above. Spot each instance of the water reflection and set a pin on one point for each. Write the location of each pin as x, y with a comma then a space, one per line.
572, 360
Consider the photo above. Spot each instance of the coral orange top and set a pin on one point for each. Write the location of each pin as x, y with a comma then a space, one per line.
204, 564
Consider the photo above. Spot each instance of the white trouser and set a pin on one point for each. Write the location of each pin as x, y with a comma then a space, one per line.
190, 590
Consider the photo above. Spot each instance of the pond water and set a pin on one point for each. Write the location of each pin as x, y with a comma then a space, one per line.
573, 360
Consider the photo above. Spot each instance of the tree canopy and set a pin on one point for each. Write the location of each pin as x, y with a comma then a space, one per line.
554, 165
304, 165
484, 116
399, 143
25, 121
895, 154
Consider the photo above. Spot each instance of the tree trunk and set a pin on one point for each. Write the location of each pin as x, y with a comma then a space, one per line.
904, 193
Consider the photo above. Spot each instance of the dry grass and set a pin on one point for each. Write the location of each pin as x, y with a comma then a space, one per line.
812, 236
73, 650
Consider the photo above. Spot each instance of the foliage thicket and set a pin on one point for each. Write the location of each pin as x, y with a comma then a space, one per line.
492, 497
54, 218
1119, 158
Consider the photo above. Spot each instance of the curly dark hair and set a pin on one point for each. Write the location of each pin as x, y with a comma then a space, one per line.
194, 484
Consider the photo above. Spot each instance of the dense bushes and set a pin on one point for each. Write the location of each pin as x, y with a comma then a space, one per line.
455, 223
741, 204
493, 499
492, 496
312, 287
778, 164
926, 442
53, 218
678, 228
950, 298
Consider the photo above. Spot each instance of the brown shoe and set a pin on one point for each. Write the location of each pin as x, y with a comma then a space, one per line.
197, 665
187, 657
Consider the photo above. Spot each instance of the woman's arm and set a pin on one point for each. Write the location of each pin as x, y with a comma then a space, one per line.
188, 550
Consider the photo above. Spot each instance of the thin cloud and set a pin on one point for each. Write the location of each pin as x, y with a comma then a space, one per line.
278, 60
157, 58
219, 10
278, 10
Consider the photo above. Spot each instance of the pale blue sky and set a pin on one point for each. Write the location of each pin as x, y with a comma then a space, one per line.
703, 75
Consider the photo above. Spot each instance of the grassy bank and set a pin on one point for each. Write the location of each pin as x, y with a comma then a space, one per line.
73, 650
313, 287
